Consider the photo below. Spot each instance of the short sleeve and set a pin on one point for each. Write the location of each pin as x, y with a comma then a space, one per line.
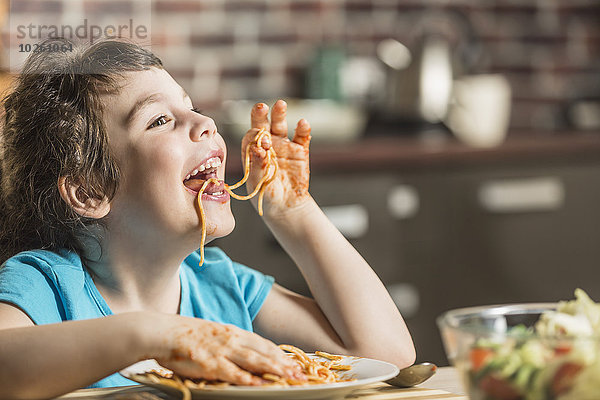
23, 283
222, 290
254, 286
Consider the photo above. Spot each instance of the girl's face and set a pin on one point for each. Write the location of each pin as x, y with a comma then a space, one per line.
165, 150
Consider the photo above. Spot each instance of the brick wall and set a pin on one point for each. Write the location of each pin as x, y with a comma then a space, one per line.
237, 49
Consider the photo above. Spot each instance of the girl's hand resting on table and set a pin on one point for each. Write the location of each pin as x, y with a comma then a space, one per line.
289, 190
214, 351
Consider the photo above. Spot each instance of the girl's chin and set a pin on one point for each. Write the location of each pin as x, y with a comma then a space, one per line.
218, 234
217, 228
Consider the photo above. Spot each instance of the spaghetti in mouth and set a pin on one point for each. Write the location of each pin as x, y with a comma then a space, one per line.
204, 181
204, 172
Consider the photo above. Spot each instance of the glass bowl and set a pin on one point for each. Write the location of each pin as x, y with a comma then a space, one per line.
500, 356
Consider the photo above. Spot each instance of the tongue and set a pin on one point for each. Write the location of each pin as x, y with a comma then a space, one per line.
196, 185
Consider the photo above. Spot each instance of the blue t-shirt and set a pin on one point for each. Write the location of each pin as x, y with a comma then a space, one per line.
53, 287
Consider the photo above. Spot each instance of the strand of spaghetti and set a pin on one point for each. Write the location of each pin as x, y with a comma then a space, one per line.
260, 134
203, 216
329, 356
174, 382
336, 367
185, 391
294, 350
246, 170
272, 161
265, 180
251, 195
257, 138
318, 371
271, 179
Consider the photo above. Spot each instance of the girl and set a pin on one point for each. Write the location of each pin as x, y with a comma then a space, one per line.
102, 159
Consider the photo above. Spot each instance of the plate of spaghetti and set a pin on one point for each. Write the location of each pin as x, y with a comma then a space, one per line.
328, 375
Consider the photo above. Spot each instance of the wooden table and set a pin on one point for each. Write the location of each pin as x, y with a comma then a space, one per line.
444, 385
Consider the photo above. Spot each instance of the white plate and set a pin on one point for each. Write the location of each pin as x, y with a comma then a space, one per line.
364, 371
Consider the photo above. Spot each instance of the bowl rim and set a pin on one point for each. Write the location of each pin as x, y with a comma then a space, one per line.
448, 319
498, 309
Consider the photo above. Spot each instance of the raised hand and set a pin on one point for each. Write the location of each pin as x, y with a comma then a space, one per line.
289, 189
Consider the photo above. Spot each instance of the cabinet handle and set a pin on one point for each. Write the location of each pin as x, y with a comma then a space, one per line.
352, 220
522, 195
407, 298
403, 201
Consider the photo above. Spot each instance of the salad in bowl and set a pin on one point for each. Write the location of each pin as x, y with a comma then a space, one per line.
543, 351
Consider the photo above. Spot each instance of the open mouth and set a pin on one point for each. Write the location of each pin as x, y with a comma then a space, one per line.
207, 170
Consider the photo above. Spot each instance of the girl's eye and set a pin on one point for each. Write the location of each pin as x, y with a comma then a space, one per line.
158, 122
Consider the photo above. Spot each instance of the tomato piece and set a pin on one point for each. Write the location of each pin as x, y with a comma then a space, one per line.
562, 349
499, 388
479, 356
564, 377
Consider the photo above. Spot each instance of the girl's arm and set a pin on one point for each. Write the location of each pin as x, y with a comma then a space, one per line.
49, 360
352, 311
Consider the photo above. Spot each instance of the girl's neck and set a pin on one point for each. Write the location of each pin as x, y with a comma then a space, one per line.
133, 276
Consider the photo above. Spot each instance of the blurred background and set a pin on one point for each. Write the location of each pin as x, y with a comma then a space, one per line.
456, 143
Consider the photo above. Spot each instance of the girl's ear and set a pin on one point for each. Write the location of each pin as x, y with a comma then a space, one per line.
79, 201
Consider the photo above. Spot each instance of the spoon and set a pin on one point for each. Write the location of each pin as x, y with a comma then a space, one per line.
413, 375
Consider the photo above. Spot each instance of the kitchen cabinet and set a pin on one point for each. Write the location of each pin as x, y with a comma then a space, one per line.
472, 256
454, 235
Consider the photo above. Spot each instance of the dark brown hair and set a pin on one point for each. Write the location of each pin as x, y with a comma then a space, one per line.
52, 128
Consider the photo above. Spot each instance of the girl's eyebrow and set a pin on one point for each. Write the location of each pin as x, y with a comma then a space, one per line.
145, 102
141, 104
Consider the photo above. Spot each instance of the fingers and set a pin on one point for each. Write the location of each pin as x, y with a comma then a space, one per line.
302, 133
226, 353
279, 125
230, 372
263, 346
265, 143
257, 363
258, 157
282, 364
259, 116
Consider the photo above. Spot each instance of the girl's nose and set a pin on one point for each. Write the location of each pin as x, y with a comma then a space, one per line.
202, 128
